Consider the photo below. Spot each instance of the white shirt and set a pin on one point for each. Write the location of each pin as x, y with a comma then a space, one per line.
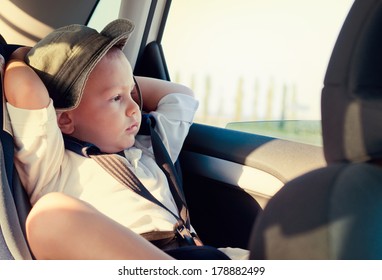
45, 166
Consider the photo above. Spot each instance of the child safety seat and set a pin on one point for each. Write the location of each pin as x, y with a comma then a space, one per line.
14, 204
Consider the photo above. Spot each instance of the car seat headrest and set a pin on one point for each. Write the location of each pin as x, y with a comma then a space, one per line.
352, 94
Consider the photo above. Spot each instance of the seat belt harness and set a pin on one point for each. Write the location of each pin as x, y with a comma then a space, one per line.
114, 164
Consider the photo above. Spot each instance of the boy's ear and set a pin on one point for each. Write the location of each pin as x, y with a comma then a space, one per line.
65, 123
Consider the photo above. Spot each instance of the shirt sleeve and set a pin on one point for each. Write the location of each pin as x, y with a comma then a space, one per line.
174, 116
39, 148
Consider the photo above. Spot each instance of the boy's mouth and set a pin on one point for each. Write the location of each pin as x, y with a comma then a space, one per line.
133, 128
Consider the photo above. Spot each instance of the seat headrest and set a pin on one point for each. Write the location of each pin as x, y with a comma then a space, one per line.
352, 94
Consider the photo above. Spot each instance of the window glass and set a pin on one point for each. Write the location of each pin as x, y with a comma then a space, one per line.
251, 60
105, 12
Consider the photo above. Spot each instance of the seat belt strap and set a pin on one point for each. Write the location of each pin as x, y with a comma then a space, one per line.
115, 165
165, 163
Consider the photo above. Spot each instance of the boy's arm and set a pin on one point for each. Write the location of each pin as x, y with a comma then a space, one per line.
174, 115
153, 90
22, 86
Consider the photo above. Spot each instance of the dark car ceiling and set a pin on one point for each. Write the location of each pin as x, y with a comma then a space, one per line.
50, 13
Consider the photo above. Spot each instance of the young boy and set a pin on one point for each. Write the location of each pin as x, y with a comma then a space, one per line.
79, 210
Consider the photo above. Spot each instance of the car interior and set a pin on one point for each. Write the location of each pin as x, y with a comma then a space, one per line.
278, 198
334, 212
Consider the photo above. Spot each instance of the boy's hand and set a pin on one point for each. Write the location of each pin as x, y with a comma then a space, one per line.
22, 86
20, 53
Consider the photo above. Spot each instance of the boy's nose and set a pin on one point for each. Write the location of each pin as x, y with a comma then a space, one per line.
131, 108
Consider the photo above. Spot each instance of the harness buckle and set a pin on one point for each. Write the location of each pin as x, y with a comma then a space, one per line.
184, 234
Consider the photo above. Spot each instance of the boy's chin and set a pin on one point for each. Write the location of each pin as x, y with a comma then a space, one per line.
116, 150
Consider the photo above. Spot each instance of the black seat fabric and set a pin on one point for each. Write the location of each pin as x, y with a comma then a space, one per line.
14, 205
335, 212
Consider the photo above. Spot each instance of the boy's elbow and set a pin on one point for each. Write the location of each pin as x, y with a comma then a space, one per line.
186, 90
22, 87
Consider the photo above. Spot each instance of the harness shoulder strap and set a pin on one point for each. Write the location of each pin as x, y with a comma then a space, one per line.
164, 161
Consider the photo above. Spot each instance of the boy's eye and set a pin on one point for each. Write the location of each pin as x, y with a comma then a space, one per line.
117, 98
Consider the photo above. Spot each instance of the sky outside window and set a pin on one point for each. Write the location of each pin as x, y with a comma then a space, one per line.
252, 52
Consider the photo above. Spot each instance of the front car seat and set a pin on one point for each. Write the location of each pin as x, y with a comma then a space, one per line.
336, 212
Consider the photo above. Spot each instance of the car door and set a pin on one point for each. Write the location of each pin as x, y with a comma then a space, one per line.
239, 153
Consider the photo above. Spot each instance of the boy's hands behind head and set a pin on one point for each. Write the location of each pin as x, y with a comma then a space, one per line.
20, 53
22, 86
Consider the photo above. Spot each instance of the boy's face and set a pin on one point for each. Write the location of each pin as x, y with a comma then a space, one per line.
107, 115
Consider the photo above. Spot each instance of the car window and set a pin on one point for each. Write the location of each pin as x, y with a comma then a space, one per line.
253, 60
105, 12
